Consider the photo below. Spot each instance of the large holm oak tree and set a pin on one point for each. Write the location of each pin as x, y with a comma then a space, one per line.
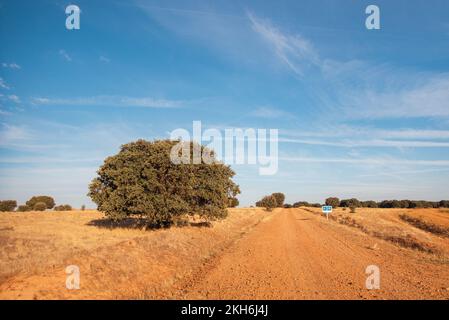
141, 180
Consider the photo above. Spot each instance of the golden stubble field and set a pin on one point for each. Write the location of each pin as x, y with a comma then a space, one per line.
253, 254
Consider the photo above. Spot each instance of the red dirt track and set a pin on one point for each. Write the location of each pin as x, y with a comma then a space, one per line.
299, 255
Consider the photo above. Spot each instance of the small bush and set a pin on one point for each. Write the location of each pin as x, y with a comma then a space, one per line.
49, 201
23, 208
233, 202
8, 205
267, 202
40, 206
350, 203
287, 206
444, 204
280, 198
83, 207
333, 201
352, 209
300, 204
64, 207
369, 204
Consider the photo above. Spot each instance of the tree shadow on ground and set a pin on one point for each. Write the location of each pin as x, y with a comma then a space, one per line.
142, 224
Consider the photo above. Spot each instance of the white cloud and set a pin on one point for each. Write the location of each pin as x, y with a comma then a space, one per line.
113, 101
3, 84
65, 55
11, 65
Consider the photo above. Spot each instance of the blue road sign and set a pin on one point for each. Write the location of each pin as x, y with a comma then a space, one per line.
326, 209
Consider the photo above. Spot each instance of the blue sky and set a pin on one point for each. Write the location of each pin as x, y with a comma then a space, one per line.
361, 113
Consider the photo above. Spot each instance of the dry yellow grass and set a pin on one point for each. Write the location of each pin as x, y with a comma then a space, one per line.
31, 241
37, 246
439, 217
386, 224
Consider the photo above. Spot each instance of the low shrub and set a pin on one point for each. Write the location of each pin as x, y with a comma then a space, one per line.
233, 202
300, 204
280, 198
268, 202
369, 204
333, 201
23, 208
40, 206
49, 201
8, 205
63, 207
350, 203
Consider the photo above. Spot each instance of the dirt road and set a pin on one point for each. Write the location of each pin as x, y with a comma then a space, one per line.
295, 254
286, 254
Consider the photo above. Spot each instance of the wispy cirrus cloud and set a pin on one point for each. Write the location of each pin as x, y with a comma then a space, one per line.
422, 97
3, 84
14, 98
11, 134
12, 65
369, 161
347, 143
339, 131
357, 137
270, 113
104, 59
111, 101
65, 55
381, 91
294, 50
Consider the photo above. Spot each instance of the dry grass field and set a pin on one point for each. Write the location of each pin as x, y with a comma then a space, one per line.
390, 225
253, 254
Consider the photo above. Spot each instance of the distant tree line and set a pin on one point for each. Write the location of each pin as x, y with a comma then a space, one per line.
269, 202
348, 203
36, 203
306, 204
